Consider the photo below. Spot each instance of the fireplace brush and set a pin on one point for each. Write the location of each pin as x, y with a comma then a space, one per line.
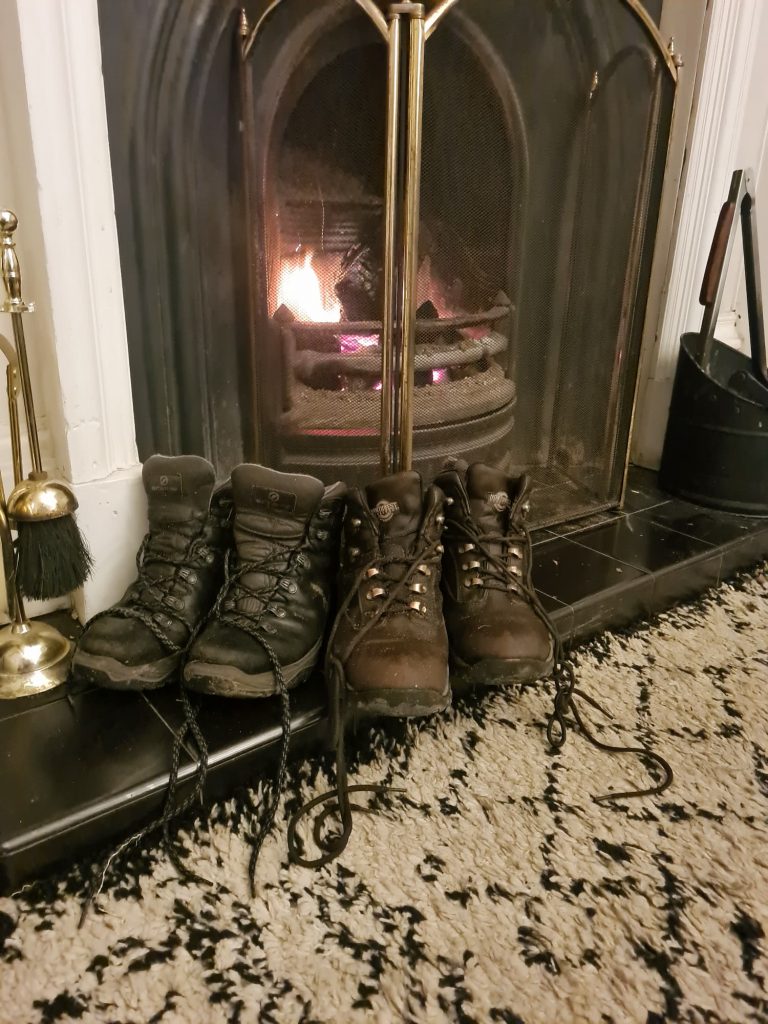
52, 557
34, 656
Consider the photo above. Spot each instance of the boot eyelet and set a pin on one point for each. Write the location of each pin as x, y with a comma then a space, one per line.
302, 560
425, 570
162, 620
466, 566
513, 588
278, 612
322, 535
440, 549
464, 548
375, 592
355, 523
440, 519
289, 586
515, 569
265, 626
192, 578
324, 513
354, 552
417, 606
370, 573
449, 501
418, 588
174, 602
210, 558
525, 509
184, 572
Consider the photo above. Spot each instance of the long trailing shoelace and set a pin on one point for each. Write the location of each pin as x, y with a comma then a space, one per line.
276, 564
336, 801
496, 572
145, 558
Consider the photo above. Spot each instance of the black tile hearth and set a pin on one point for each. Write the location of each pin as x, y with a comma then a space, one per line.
79, 767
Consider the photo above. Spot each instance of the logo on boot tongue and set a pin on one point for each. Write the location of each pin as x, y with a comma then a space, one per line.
498, 501
385, 510
169, 484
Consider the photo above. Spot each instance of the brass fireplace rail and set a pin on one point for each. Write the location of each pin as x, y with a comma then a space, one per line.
405, 27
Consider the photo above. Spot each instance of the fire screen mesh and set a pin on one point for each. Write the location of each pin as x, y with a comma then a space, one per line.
545, 130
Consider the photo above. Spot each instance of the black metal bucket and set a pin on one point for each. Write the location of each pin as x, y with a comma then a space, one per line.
716, 448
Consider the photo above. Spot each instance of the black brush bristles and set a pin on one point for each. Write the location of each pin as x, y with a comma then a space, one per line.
53, 558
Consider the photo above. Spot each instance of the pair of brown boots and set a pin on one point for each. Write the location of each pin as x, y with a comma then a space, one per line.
435, 579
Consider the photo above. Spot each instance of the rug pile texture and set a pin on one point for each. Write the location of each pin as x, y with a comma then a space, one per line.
495, 890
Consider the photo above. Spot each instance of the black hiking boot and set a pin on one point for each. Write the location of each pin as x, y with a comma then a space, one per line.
271, 614
138, 643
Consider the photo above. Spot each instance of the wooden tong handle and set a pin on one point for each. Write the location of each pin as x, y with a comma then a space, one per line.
717, 254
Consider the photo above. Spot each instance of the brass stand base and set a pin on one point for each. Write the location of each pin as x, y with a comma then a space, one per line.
34, 657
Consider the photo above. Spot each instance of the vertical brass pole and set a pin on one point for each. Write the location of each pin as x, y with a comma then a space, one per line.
389, 370
410, 261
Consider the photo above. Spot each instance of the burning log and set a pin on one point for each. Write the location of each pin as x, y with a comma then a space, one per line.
359, 284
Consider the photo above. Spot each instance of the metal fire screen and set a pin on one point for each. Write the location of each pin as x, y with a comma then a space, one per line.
452, 211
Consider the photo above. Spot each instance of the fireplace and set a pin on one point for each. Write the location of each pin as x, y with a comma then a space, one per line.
265, 254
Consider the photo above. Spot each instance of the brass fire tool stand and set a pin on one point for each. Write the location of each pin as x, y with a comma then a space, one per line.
34, 657
405, 28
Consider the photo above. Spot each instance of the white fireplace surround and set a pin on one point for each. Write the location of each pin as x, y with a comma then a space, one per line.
57, 178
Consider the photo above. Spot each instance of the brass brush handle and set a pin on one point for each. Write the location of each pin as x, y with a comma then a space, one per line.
15, 305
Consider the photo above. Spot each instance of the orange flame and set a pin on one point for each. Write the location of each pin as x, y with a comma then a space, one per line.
300, 290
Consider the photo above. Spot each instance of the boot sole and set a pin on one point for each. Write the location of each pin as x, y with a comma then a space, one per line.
111, 674
499, 671
228, 681
405, 702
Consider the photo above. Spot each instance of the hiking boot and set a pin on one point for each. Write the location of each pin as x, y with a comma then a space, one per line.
388, 653
495, 631
271, 614
138, 643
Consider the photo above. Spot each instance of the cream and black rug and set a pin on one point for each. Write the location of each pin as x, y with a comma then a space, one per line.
497, 891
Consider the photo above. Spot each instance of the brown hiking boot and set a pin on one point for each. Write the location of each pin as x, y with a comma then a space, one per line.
389, 650
496, 631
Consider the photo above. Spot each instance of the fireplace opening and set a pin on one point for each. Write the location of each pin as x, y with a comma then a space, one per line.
545, 129
322, 198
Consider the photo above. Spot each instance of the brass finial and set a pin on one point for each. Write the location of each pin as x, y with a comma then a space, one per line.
13, 302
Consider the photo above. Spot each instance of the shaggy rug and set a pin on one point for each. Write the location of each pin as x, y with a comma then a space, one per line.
496, 890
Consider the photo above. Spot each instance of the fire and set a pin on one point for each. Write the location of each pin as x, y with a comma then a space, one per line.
301, 291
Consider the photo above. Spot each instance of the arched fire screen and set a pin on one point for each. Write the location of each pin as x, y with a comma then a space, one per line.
459, 195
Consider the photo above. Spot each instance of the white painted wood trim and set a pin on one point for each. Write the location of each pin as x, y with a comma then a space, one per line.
61, 54
94, 431
723, 80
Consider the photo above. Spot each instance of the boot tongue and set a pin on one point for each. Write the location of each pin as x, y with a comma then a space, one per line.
397, 505
178, 489
271, 506
491, 495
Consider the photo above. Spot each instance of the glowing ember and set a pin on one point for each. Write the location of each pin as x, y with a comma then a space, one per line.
357, 342
439, 376
300, 290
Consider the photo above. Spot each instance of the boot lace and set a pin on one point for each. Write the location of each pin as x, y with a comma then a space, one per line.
162, 591
277, 566
151, 553
395, 596
504, 574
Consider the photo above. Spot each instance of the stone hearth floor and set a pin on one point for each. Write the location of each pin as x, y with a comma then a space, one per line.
79, 766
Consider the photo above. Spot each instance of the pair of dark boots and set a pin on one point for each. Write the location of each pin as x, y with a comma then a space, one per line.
236, 581
232, 583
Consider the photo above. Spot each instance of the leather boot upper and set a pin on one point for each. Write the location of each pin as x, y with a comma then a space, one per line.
181, 565
280, 580
486, 568
391, 556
